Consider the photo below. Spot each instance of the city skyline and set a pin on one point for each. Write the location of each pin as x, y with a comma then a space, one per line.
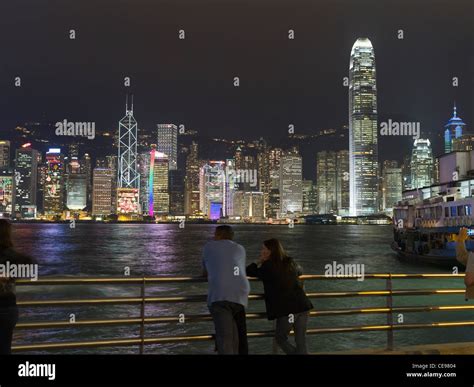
299, 86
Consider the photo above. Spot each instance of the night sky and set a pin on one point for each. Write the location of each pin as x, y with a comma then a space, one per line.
190, 81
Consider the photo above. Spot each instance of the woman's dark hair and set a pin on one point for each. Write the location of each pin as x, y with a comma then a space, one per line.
277, 252
5, 234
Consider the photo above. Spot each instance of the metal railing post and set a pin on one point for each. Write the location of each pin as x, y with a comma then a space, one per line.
142, 316
389, 313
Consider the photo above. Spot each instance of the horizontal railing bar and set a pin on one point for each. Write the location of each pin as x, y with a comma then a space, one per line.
151, 280
205, 337
202, 298
256, 315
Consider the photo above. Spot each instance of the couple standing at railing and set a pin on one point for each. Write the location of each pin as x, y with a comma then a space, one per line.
224, 264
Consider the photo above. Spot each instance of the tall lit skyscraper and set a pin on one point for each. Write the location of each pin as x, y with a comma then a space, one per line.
291, 184
342, 182
7, 193
158, 190
422, 164
4, 154
176, 192
310, 198
392, 184
453, 130
363, 152
53, 196
86, 169
26, 176
128, 176
110, 162
191, 183
273, 205
144, 161
231, 186
212, 189
249, 205
326, 172
406, 172
168, 143
102, 201
76, 190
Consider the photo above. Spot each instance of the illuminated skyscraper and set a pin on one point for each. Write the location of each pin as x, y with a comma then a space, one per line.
76, 190
191, 184
158, 189
102, 200
453, 130
273, 206
168, 143
53, 196
406, 173
332, 170
4, 154
7, 193
310, 198
110, 162
422, 164
231, 186
249, 205
291, 184
26, 176
392, 185
363, 152
342, 182
326, 171
86, 169
212, 189
128, 176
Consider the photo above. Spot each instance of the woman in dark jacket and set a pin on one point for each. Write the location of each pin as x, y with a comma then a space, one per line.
285, 298
8, 308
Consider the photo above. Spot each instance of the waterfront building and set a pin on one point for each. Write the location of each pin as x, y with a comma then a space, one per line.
54, 185
159, 200
191, 182
212, 189
392, 185
5, 154
26, 177
422, 164
127, 169
363, 143
7, 193
326, 172
291, 184
310, 198
342, 182
167, 143
102, 188
76, 191
453, 130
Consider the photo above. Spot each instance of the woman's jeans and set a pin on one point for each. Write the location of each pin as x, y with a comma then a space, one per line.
8, 320
283, 327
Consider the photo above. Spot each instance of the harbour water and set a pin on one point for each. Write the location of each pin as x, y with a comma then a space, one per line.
167, 250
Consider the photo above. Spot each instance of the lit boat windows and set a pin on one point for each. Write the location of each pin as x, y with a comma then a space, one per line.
468, 209
453, 211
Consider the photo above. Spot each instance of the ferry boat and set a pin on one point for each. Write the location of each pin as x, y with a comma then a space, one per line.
427, 219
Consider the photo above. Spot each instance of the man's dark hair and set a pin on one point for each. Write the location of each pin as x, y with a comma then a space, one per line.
224, 232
